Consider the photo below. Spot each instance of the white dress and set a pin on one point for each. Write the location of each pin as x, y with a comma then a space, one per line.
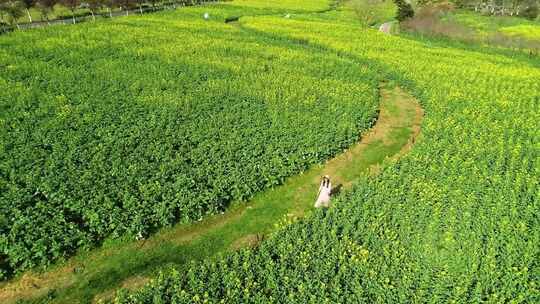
324, 195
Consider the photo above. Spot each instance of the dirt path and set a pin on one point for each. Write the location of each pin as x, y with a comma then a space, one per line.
400, 113
96, 275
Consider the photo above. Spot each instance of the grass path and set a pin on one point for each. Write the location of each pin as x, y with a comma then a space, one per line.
97, 274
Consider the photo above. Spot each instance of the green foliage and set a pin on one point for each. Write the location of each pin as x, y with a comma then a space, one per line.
456, 220
120, 128
404, 10
531, 11
372, 12
13, 9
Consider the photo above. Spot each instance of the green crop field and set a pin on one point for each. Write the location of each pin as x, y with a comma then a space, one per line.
106, 134
111, 131
489, 25
531, 32
455, 220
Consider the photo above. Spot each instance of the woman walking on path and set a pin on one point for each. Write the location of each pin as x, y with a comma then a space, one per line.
323, 199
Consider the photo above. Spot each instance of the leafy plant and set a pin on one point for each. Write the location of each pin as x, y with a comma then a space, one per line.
162, 127
531, 11
455, 220
404, 10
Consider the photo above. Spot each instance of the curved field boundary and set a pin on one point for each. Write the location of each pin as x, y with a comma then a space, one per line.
96, 275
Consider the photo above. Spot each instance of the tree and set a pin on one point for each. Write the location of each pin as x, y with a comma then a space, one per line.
72, 5
514, 7
3, 22
27, 4
531, 10
125, 5
14, 11
153, 2
94, 5
140, 3
109, 4
46, 7
404, 10
463, 3
3, 4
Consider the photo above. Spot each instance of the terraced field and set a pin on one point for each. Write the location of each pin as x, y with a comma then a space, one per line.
454, 220
108, 136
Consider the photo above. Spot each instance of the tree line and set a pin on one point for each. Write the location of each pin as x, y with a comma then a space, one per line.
11, 11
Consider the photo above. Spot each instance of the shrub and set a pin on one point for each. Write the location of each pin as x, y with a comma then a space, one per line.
531, 11
428, 21
404, 10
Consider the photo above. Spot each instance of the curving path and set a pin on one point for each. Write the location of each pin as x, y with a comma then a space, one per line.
96, 275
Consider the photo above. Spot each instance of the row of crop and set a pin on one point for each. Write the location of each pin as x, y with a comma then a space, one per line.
456, 220
118, 129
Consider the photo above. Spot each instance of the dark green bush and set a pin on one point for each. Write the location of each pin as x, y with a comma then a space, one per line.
531, 11
404, 10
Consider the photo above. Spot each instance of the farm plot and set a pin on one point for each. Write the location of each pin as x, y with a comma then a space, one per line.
453, 221
115, 129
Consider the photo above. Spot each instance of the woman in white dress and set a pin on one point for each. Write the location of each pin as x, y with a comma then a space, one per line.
323, 199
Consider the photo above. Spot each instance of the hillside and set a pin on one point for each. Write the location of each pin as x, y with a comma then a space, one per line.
115, 130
